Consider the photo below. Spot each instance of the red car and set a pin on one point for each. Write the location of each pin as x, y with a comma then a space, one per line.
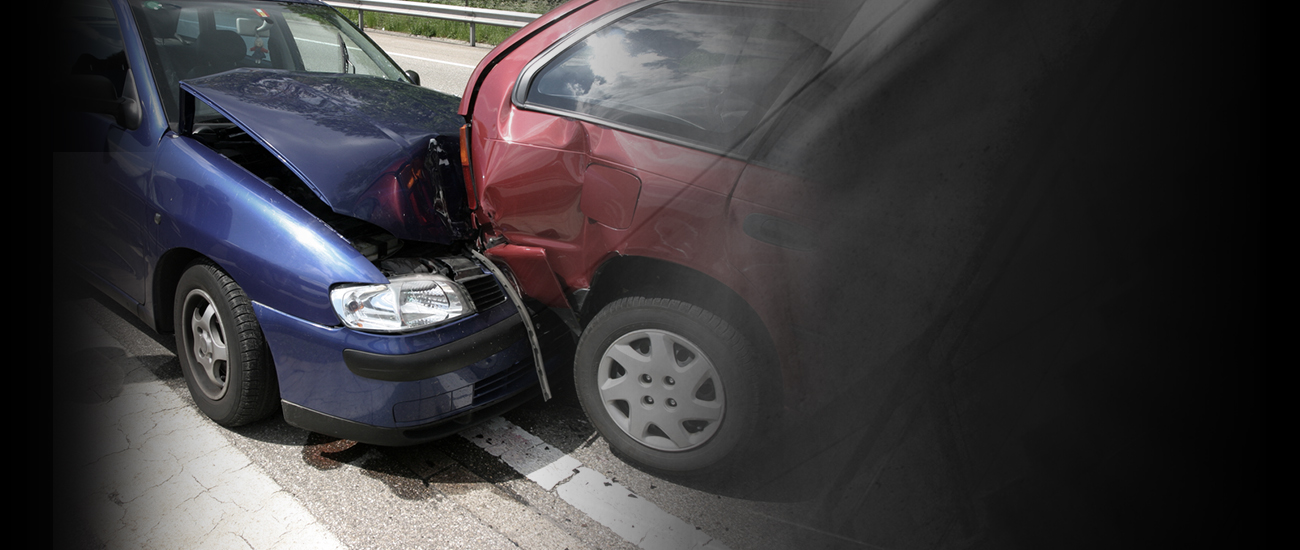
989, 268
618, 159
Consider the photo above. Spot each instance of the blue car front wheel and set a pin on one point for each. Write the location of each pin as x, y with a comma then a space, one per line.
223, 355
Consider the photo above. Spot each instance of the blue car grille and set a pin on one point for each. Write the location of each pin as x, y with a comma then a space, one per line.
484, 291
553, 335
504, 382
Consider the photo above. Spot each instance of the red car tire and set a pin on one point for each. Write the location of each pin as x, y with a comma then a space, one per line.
668, 384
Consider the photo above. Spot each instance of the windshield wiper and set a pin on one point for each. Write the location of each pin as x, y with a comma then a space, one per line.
343, 52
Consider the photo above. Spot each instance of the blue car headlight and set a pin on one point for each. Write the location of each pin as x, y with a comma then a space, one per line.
406, 303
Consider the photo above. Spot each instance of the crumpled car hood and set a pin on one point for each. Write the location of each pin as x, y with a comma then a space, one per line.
378, 150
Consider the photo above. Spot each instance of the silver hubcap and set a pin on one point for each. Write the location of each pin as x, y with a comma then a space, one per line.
208, 342
661, 390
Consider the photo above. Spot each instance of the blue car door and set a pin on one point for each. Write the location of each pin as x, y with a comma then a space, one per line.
104, 156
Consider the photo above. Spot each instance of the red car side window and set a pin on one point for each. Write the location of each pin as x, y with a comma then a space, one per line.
679, 70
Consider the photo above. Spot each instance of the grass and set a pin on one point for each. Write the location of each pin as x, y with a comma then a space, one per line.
455, 30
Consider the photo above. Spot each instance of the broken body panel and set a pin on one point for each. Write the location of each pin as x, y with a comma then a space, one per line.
579, 194
371, 149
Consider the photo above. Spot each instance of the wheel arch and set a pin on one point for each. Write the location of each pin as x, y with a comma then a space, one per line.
171, 265
223, 354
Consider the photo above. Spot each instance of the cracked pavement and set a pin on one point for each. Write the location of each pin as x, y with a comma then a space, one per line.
151, 472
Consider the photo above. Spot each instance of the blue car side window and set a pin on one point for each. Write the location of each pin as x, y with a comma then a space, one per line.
91, 70
92, 43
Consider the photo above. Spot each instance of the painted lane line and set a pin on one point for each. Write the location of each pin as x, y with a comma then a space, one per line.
431, 60
525, 452
360, 53
637, 520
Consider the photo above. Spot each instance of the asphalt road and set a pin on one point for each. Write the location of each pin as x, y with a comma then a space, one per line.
443, 66
142, 468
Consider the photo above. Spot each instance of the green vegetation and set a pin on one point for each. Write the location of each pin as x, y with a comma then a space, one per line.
455, 30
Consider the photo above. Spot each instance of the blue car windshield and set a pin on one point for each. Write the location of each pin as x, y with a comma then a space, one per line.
194, 38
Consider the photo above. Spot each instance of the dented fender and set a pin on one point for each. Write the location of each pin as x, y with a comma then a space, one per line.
532, 270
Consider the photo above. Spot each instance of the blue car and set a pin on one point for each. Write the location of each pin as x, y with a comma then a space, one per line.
259, 178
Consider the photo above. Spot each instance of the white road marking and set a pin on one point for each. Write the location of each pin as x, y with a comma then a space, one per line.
524, 452
333, 44
637, 520
431, 60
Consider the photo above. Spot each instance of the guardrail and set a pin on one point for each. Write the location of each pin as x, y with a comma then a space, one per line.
473, 16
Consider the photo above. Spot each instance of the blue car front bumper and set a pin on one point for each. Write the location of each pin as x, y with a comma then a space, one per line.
410, 388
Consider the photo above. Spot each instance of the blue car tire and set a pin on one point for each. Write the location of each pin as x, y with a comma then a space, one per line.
222, 352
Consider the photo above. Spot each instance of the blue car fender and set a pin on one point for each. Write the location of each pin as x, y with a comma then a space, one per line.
279, 253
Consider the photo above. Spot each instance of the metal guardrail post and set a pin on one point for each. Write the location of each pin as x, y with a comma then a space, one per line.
361, 20
473, 40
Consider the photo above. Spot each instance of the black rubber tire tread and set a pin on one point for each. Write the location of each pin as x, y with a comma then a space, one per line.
254, 391
736, 363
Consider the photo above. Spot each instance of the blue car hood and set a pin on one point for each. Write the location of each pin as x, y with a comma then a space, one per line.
378, 150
